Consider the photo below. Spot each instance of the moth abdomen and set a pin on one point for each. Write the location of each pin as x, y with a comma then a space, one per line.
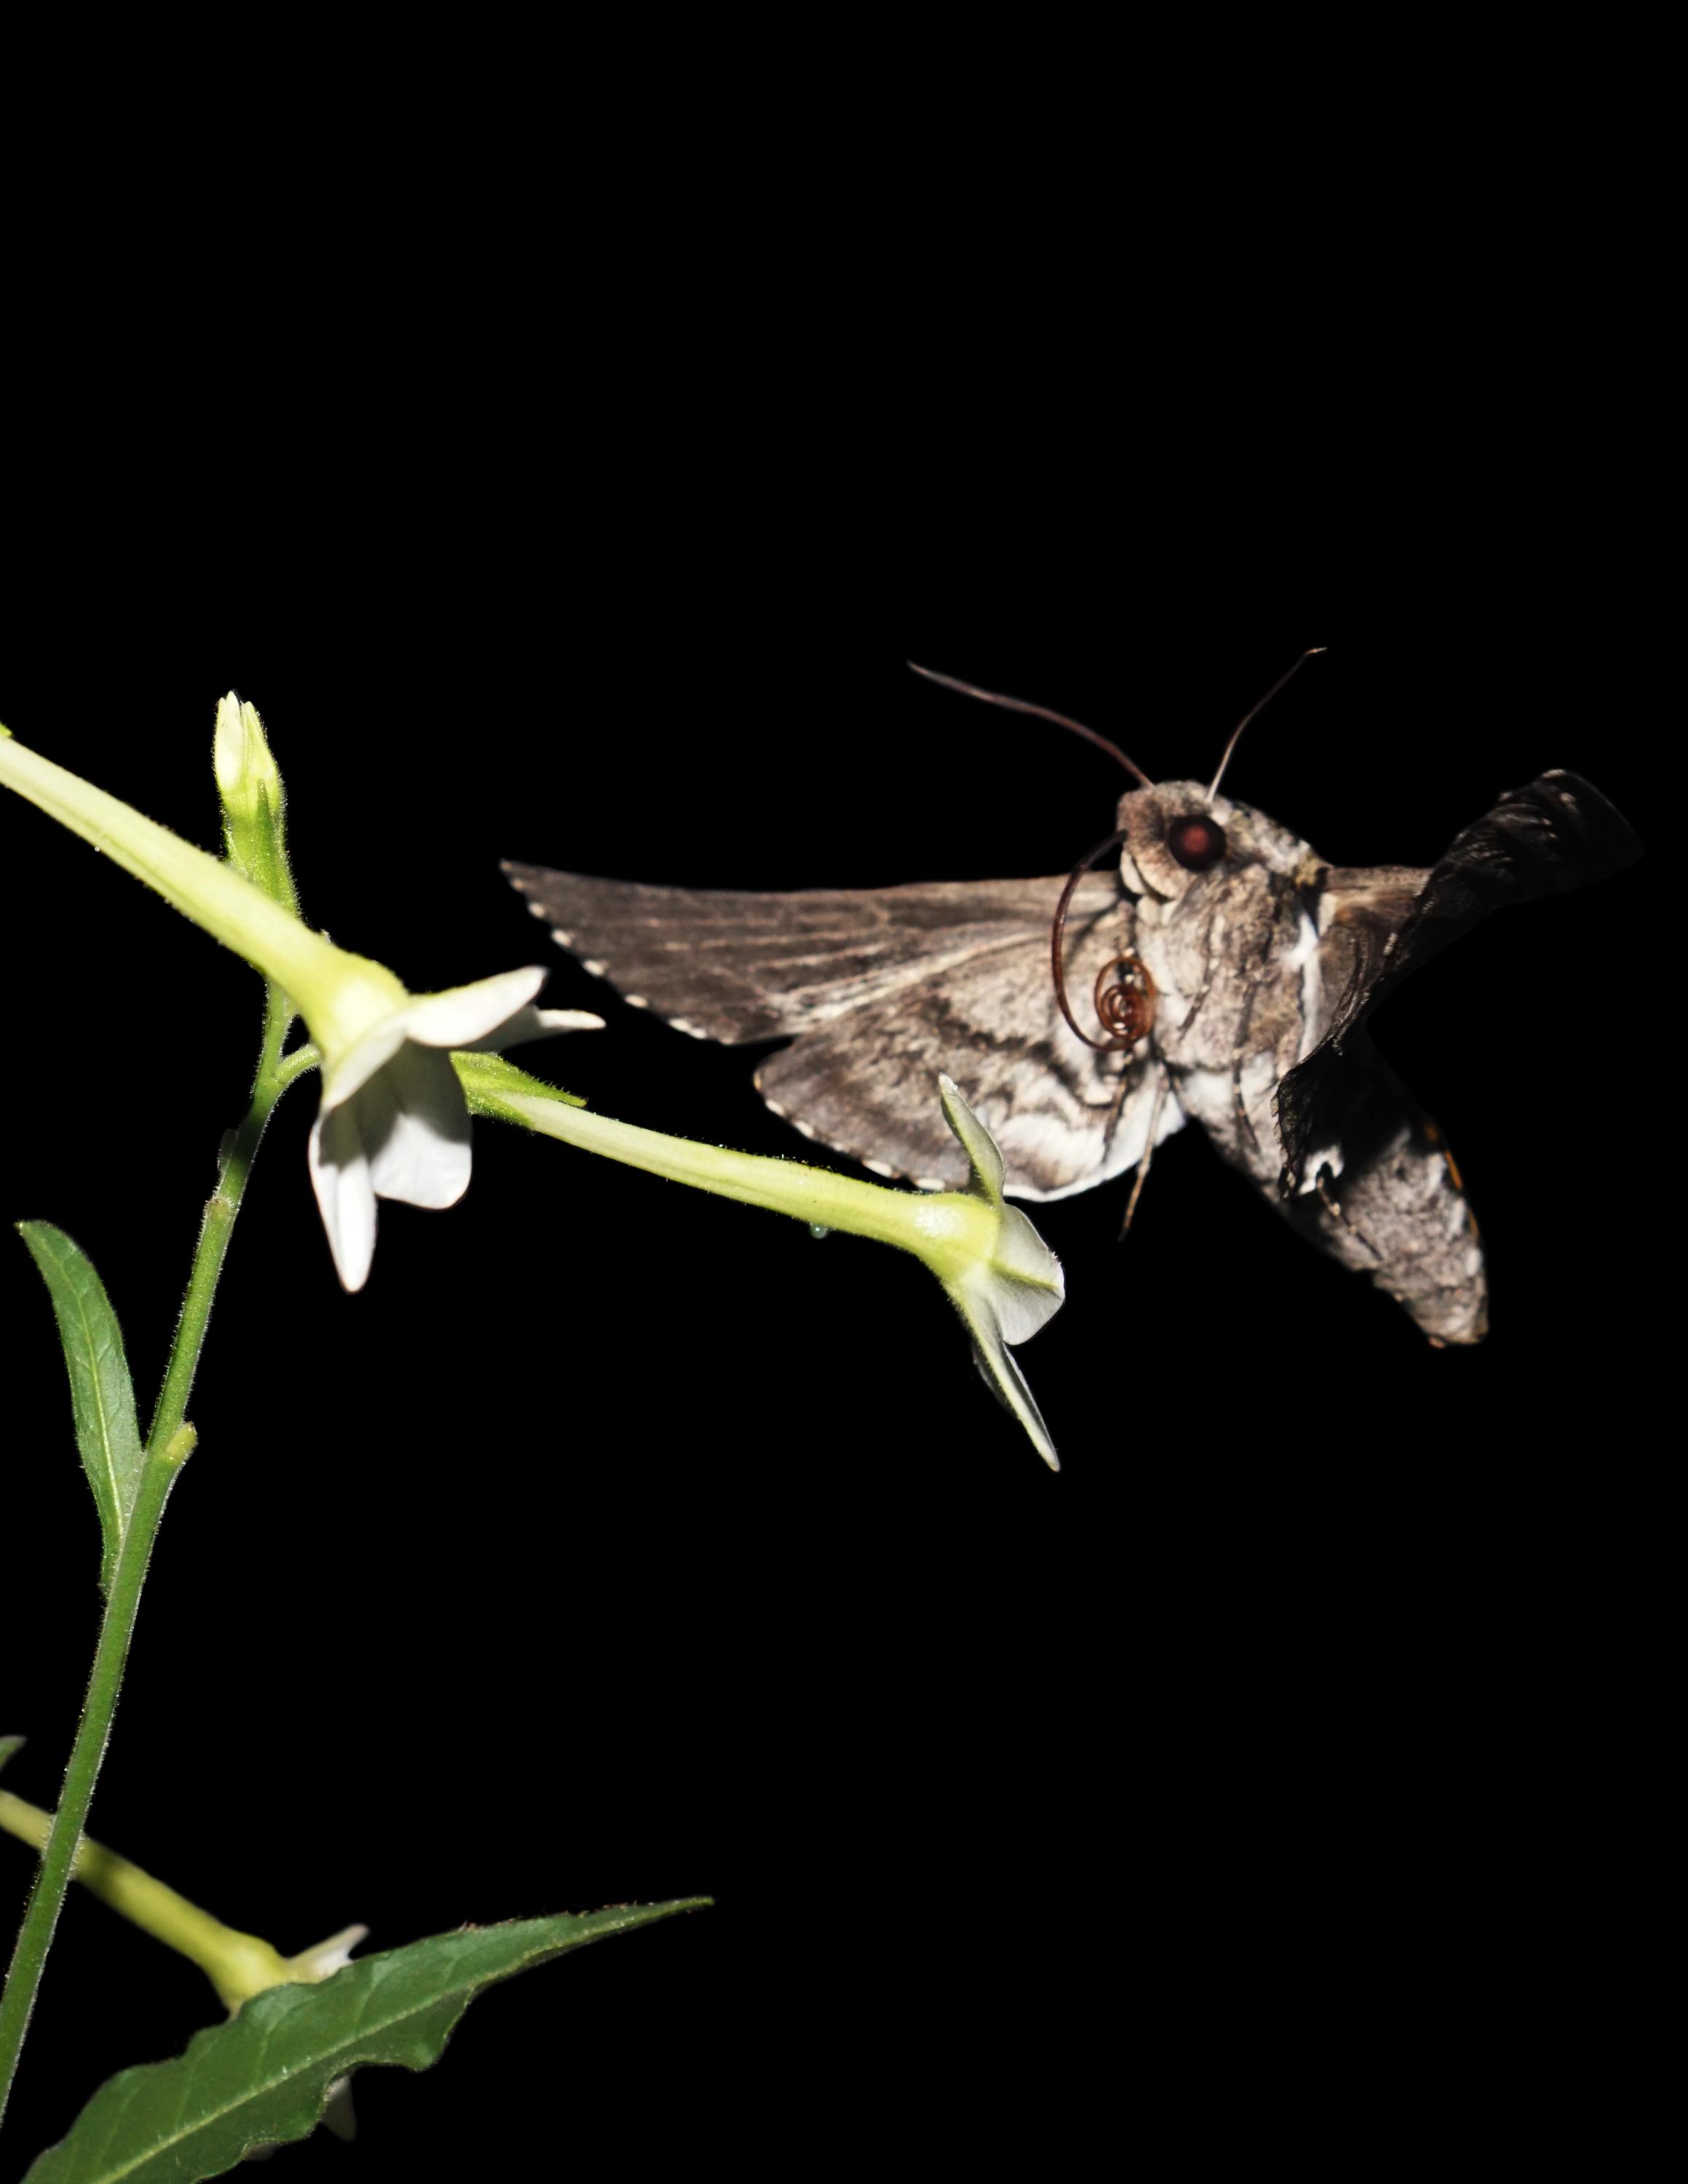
1396, 1211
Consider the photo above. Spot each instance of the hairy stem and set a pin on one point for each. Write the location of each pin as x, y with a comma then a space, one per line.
168, 1444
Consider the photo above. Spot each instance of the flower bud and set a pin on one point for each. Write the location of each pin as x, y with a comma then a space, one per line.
255, 803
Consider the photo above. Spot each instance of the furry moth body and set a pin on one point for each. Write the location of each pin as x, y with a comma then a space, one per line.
1262, 961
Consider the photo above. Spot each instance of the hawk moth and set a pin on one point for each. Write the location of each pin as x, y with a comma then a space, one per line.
1233, 969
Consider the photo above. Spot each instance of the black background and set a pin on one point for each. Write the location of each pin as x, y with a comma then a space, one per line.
621, 1543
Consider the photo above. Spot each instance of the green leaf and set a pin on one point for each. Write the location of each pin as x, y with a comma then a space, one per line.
8, 1745
262, 2078
102, 1395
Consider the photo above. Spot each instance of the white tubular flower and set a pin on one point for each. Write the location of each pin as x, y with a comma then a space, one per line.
1007, 1296
393, 1123
996, 1269
310, 1967
238, 1965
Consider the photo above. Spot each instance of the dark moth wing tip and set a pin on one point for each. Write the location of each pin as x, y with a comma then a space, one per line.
1604, 840
1556, 833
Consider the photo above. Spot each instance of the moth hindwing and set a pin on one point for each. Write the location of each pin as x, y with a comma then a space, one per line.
1254, 966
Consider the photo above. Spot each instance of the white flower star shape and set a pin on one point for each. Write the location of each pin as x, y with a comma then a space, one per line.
394, 1122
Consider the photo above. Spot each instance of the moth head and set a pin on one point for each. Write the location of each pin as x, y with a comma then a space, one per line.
1173, 835
1174, 831
1177, 836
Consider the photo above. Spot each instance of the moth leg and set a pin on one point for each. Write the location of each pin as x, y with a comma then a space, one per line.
1145, 1164
1195, 1007
1239, 1057
1119, 1106
1237, 1062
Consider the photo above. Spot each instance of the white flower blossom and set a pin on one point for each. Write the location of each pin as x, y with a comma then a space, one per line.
392, 1123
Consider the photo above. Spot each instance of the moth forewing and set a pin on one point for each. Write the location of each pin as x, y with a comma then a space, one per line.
1262, 962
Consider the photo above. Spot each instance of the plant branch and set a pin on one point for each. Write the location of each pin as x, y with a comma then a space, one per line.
168, 1444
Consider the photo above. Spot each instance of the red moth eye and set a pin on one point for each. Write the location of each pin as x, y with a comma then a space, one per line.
1196, 843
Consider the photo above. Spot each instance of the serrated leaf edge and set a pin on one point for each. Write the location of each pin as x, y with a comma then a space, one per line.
281, 2002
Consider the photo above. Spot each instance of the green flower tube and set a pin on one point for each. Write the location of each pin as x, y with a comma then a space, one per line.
996, 1269
392, 1123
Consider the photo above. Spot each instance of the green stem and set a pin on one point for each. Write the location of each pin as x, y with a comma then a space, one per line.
237, 1965
218, 1226
168, 1444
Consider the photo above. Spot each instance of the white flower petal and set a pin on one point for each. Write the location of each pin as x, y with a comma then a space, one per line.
976, 1141
1026, 1283
530, 1023
349, 1072
338, 2115
463, 1014
1002, 1376
345, 1195
414, 1125
328, 1957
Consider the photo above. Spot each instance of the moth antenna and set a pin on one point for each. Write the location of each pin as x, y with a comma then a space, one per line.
1039, 712
1126, 1011
1236, 732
